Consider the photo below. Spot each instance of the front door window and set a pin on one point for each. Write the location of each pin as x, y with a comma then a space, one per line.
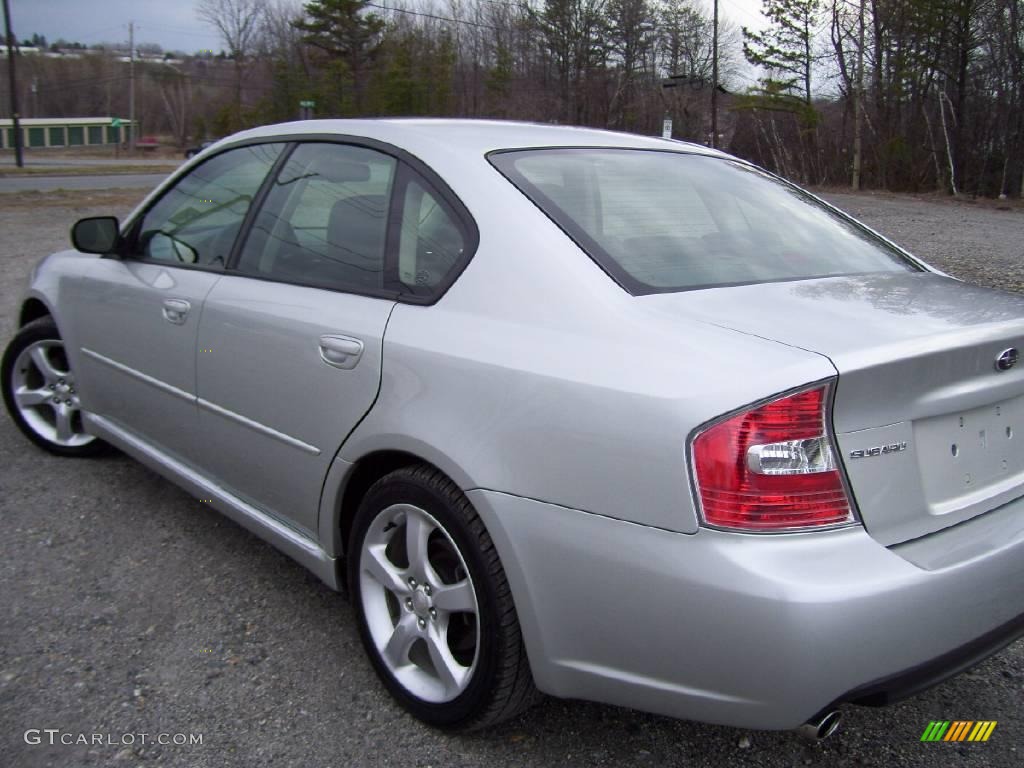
197, 220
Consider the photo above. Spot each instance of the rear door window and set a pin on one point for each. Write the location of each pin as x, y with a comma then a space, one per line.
324, 222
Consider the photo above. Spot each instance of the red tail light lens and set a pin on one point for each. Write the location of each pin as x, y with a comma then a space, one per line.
772, 468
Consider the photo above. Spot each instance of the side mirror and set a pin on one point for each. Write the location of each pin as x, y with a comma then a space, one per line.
98, 234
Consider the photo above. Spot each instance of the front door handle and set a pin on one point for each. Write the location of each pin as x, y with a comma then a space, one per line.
176, 311
340, 351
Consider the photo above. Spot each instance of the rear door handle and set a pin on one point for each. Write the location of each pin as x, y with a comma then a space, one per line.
176, 311
340, 351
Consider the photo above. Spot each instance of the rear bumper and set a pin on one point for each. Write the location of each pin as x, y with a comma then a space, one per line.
922, 677
752, 631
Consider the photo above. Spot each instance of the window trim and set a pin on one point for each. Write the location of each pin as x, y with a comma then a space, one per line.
405, 176
257, 204
632, 285
130, 230
393, 289
385, 292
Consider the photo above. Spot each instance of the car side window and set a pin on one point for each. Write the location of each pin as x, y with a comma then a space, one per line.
197, 220
324, 222
431, 241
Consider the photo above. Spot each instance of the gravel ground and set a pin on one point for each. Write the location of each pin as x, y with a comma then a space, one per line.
979, 242
130, 608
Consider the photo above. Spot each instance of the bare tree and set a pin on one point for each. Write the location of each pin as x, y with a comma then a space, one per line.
935, 86
175, 92
238, 22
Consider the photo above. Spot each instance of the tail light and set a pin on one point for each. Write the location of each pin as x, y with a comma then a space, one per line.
772, 468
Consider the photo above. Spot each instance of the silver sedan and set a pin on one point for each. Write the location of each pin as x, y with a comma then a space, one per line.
568, 411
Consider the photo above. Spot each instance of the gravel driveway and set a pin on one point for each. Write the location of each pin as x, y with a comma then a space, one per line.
128, 607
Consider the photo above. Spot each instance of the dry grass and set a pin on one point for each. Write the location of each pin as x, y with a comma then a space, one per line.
115, 199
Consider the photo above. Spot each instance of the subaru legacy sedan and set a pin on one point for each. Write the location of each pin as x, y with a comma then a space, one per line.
566, 411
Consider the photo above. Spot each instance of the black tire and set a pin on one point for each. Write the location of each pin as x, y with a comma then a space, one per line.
43, 329
501, 685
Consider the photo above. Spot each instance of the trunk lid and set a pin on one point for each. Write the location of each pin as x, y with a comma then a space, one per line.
930, 431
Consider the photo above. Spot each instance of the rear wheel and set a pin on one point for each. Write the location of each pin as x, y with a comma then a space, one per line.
41, 394
434, 607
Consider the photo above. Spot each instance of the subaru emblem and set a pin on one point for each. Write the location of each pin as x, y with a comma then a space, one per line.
1007, 359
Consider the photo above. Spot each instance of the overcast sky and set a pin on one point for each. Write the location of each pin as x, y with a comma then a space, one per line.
173, 23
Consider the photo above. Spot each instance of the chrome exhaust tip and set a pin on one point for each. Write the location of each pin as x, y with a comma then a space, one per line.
822, 726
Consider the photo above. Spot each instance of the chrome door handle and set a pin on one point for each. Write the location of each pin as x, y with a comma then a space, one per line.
340, 351
176, 311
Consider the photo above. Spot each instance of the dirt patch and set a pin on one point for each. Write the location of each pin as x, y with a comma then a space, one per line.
940, 198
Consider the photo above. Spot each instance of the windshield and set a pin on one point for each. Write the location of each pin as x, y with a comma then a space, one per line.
668, 221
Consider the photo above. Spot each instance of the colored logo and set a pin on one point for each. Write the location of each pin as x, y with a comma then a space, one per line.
1007, 359
958, 730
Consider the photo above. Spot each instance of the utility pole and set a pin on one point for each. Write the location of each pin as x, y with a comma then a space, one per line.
714, 81
131, 86
858, 108
13, 84
186, 102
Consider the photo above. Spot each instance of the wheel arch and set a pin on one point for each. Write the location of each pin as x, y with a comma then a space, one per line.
363, 474
508, 685
32, 309
348, 481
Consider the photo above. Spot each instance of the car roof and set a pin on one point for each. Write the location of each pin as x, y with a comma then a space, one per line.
429, 135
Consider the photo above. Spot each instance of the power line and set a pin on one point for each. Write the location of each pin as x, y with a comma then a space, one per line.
746, 12
67, 86
438, 18
82, 36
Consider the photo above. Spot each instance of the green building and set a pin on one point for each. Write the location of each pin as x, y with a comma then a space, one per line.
47, 132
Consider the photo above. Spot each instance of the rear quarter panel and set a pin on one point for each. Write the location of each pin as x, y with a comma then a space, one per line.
536, 375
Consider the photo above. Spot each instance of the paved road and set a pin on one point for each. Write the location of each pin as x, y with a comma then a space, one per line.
62, 160
127, 607
112, 181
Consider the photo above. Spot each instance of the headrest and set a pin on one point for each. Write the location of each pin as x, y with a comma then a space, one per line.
332, 168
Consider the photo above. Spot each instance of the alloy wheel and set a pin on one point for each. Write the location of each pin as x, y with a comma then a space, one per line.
420, 603
44, 392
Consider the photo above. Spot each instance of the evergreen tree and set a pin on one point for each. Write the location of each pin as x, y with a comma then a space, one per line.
573, 32
631, 37
347, 33
785, 48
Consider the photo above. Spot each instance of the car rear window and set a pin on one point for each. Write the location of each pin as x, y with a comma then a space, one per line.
660, 221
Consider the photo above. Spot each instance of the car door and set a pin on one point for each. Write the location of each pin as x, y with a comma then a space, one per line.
137, 316
291, 338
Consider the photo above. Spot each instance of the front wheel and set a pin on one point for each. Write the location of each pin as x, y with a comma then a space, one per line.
434, 608
41, 393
